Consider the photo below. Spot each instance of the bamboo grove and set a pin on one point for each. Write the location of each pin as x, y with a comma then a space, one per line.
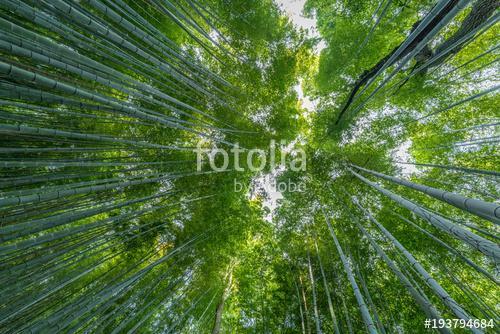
108, 226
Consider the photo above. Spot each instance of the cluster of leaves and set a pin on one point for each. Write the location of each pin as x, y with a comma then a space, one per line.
108, 226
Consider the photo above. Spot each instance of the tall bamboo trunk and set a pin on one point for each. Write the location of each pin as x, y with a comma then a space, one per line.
483, 245
327, 290
425, 304
455, 307
220, 307
365, 313
486, 210
315, 302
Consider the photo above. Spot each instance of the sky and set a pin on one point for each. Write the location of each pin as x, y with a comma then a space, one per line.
293, 9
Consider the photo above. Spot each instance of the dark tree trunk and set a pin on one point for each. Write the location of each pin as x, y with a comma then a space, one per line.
481, 11
368, 74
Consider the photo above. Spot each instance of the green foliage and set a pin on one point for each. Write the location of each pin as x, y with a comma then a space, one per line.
107, 225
